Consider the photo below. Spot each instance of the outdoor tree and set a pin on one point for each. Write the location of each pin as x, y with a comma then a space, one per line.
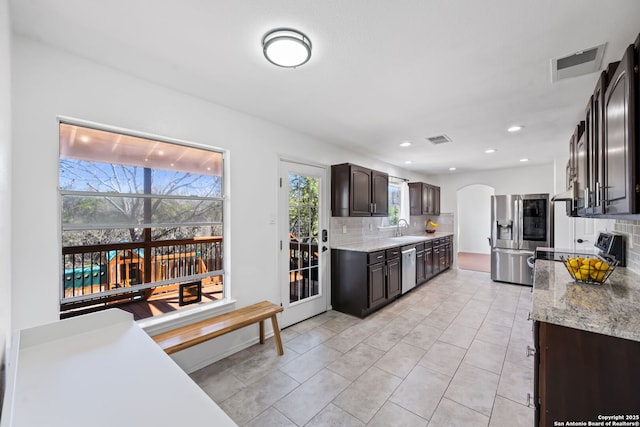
303, 211
115, 197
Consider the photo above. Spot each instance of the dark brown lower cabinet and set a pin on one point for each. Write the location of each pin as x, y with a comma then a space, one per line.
436, 259
581, 375
394, 284
420, 267
377, 293
362, 282
429, 270
438, 256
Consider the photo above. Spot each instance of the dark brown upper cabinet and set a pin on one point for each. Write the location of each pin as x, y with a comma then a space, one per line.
571, 175
604, 163
358, 191
620, 189
424, 199
582, 168
593, 114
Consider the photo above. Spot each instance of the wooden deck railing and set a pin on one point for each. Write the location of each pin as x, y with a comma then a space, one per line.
103, 273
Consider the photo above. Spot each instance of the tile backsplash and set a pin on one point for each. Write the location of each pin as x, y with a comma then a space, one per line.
631, 229
347, 230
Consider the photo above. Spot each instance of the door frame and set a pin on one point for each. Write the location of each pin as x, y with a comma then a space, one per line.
286, 163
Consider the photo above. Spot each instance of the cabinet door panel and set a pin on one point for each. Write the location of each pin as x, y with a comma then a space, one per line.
377, 294
619, 123
420, 267
394, 285
380, 193
428, 200
583, 374
428, 262
436, 201
582, 168
415, 198
596, 138
436, 260
360, 196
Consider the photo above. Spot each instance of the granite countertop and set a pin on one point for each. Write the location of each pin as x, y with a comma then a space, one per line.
389, 242
609, 309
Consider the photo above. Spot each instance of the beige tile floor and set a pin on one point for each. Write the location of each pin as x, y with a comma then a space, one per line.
452, 352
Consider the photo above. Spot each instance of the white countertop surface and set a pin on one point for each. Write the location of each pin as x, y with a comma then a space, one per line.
390, 242
100, 370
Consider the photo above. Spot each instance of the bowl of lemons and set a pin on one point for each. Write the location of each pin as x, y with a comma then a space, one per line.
589, 269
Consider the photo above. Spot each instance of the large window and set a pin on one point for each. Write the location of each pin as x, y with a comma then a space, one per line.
142, 223
395, 197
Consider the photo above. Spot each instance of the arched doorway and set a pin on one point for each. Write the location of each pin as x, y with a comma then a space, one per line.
474, 227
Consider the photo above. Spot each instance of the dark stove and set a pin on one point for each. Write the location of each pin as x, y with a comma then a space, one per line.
608, 245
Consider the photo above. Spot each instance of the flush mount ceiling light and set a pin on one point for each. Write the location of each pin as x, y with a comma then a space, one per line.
286, 47
490, 150
515, 128
408, 162
452, 169
405, 144
524, 160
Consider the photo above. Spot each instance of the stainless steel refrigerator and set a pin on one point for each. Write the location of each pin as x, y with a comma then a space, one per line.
519, 224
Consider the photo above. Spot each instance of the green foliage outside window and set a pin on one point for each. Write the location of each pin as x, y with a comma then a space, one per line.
303, 212
394, 204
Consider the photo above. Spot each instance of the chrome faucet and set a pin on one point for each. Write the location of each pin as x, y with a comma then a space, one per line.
398, 230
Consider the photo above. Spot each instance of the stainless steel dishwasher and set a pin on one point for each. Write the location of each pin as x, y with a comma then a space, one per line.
408, 268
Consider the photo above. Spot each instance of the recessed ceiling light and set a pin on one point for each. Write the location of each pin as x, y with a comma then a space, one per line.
286, 47
515, 128
490, 150
524, 160
452, 169
85, 138
405, 144
408, 162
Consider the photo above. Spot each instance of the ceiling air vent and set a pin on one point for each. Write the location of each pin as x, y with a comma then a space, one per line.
438, 139
577, 64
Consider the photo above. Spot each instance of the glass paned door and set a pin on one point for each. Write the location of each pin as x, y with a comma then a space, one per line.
302, 189
304, 228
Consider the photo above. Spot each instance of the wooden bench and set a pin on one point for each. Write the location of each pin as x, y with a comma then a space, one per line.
199, 332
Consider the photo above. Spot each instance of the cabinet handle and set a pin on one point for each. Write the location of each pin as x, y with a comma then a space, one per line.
380, 257
529, 316
586, 197
597, 194
375, 207
529, 400
530, 351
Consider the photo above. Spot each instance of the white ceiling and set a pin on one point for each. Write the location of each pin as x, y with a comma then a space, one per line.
381, 72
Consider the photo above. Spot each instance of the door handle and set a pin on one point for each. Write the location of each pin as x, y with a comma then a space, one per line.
581, 241
324, 249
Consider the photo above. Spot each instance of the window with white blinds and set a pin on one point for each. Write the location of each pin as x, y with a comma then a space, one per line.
149, 213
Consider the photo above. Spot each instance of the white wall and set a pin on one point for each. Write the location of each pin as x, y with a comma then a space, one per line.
48, 83
525, 179
474, 218
5, 189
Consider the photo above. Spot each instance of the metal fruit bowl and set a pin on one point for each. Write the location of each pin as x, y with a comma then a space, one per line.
590, 269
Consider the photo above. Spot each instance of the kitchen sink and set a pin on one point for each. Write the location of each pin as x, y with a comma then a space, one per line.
407, 240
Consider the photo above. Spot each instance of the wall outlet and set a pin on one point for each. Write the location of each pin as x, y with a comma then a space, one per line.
370, 227
344, 229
